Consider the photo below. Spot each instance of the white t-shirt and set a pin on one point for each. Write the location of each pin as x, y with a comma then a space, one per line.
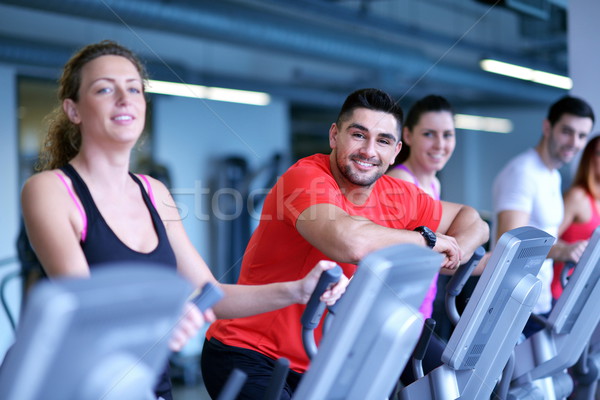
526, 184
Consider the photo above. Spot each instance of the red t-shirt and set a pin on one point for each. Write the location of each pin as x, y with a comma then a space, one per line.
277, 252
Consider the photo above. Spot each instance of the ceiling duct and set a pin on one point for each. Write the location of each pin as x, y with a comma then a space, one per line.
221, 21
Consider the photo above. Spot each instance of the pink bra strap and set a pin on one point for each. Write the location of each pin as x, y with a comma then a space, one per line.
403, 167
150, 194
81, 211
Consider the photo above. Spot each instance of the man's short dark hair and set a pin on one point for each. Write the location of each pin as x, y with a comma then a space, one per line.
371, 99
569, 105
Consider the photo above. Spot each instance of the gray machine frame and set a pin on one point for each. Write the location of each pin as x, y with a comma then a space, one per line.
375, 329
103, 337
586, 371
491, 323
542, 359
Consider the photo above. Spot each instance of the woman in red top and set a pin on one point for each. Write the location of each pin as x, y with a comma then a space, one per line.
582, 202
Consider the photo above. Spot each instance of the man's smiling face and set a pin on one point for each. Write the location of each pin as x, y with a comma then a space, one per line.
364, 146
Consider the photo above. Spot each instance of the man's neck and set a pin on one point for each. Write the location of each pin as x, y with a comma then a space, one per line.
542, 150
357, 194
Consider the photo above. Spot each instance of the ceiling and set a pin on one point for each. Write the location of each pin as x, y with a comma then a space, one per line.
310, 52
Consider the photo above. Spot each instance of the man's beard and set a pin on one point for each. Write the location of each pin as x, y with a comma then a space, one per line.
556, 154
358, 178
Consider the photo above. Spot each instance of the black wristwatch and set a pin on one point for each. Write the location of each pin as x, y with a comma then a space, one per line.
428, 234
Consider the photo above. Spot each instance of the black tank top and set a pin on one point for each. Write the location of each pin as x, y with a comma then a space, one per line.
102, 246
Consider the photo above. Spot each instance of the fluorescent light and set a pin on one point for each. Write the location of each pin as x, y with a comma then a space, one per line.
487, 124
528, 74
211, 93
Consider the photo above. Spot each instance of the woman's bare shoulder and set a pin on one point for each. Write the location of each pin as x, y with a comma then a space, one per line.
576, 195
42, 181
46, 188
400, 174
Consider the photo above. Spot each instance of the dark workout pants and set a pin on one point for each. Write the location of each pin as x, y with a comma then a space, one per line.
218, 360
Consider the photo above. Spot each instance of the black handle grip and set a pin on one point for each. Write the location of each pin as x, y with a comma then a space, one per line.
421, 348
333, 308
314, 308
423, 343
463, 272
564, 273
278, 379
233, 385
208, 297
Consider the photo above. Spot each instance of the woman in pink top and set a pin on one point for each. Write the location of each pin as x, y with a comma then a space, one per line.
428, 141
582, 202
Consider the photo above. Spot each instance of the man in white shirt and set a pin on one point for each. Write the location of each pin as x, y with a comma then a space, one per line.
527, 192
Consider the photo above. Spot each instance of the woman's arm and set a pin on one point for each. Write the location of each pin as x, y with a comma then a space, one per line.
54, 225
240, 300
577, 208
464, 224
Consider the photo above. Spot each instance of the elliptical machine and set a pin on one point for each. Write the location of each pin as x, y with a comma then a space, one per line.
541, 361
491, 323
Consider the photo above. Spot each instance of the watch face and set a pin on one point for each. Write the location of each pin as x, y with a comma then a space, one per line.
428, 234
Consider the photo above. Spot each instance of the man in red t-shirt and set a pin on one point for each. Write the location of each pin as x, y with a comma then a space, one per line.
338, 207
